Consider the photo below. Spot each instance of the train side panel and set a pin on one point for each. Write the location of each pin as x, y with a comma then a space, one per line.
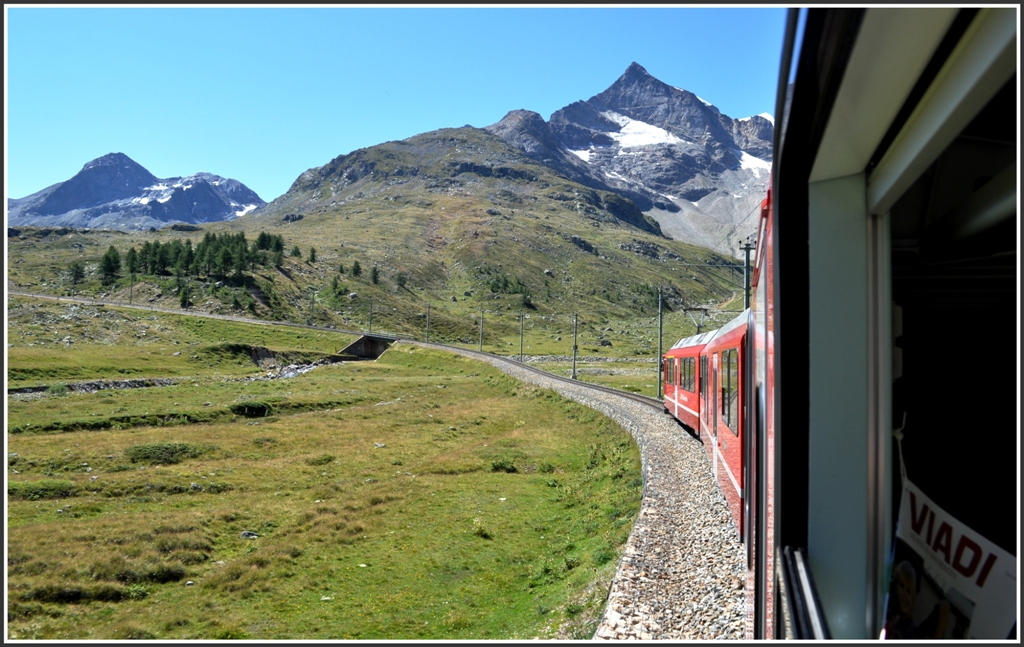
761, 559
726, 423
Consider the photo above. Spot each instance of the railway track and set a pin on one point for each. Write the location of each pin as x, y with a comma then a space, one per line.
680, 575
641, 399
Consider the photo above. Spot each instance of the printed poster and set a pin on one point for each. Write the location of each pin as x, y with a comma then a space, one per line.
947, 580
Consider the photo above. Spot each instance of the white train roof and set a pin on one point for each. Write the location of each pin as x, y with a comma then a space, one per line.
705, 337
695, 340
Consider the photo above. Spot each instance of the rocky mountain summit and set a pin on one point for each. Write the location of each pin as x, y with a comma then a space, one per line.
697, 172
115, 192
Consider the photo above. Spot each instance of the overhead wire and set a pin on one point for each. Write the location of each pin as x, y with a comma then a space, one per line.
732, 230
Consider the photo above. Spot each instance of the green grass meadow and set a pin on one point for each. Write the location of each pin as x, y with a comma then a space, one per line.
421, 496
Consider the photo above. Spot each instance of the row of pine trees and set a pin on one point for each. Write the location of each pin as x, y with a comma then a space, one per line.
220, 257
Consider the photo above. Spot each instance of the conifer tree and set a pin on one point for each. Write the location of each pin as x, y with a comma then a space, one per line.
131, 260
77, 272
110, 265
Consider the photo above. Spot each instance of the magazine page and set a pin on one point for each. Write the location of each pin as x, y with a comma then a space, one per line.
947, 580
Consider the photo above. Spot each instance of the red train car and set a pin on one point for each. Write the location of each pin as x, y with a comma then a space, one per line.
704, 381
683, 380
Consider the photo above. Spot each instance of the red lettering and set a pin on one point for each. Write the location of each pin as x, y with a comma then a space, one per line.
931, 522
968, 570
985, 569
943, 539
917, 522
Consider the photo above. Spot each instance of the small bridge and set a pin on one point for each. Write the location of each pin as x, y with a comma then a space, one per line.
368, 347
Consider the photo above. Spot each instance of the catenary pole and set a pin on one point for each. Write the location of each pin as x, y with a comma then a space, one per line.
574, 347
520, 335
747, 247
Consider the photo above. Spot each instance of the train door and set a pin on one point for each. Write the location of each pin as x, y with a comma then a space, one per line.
703, 404
671, 391
730, 432
666, 373
675, 384
713, 406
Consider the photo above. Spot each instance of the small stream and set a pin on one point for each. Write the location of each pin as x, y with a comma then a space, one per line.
275, 373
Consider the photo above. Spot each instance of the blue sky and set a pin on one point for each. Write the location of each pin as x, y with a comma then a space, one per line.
260, 94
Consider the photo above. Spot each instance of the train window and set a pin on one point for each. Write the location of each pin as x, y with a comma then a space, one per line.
670, 364
730, 389
687, 377
704, 377
723, 384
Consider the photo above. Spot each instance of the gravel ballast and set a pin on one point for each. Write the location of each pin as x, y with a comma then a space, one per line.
681, 572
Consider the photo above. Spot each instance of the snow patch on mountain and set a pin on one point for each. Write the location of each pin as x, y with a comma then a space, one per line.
635, 133
763, 115
748, 161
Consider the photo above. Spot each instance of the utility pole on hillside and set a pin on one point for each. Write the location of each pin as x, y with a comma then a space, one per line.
659, 342
520, 335
481, 330
427, 338
748, 245
187, 301
574, 347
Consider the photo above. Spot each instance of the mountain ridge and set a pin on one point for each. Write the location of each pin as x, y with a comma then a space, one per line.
114, 191
693, 173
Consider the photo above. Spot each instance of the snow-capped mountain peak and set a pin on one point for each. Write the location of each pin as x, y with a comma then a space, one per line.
693, 169
114, 191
